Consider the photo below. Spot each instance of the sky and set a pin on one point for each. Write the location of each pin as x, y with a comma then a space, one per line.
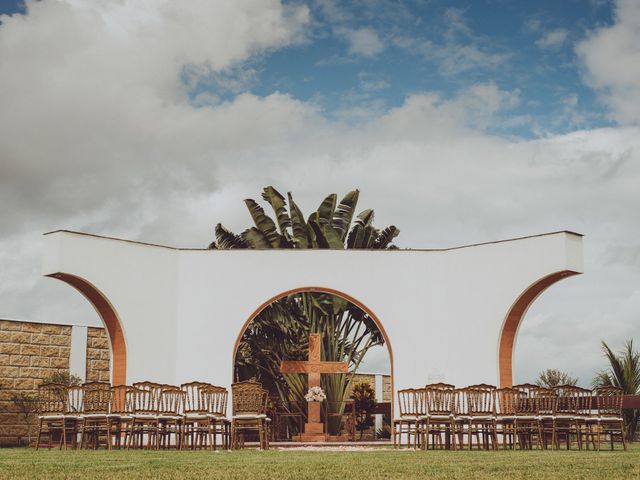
460, 122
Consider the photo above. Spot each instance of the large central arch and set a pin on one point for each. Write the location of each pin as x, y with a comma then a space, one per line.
330, 291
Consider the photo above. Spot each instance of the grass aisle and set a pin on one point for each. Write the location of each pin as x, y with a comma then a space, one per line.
298, 465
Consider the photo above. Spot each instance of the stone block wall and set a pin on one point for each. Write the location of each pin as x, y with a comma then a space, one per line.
31, 352
98, 355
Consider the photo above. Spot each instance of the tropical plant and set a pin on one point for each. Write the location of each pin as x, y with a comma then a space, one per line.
364, 398
26, 404
327, 227
552, 377
281, 330
623, 372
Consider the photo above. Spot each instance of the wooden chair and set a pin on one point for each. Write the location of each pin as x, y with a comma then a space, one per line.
609, 420
439, 399
249, 404
546, 406
566, 415
584, 414
411, 406
507, 403
216, 402
170, 418
144, 417
481, 406
52, 406
96, 422
196, 414
120, 412
73, 415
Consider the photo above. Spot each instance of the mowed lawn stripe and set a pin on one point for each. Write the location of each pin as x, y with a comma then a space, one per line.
298, 465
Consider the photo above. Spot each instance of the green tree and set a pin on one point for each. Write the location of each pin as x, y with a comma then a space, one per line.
552, 377
281, 330
623, 372
365, 403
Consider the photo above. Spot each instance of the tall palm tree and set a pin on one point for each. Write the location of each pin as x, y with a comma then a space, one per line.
281, 330
624, 373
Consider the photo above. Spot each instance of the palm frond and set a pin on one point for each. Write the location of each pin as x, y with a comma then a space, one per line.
343, 215
299, 226
279, 206
226, 239
256, 239
385, 237
264, 223
326, 209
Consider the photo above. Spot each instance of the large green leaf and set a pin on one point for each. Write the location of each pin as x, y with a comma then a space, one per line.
385, 237
227, 239
279, 205
326, 209
298, 225
344, 213
256, 239
332, 237
264, 223
318, 234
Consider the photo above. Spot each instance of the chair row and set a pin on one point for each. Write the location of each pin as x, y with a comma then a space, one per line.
441, 415
149, 414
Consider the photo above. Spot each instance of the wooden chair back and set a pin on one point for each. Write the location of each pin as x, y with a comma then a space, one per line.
610, 401
481, 399
195, 398
509, 400
96, 398
52, 399
74, 400
546, 402
122, 398
216, 400
146, 398
248, 398
411, 402
440, 398
171, 400
568, 399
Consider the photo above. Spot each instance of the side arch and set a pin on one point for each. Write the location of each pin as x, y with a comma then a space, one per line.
330, 291
110, 319
514, 318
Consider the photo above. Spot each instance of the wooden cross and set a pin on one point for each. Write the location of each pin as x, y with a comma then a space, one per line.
314, 367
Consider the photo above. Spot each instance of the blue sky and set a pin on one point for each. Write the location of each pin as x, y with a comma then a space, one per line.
460, 122
525, 48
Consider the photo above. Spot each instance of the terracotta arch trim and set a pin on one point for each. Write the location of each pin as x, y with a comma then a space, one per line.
514, 318
111, 322
330, 291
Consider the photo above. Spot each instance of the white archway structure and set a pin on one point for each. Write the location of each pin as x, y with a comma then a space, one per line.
174, 315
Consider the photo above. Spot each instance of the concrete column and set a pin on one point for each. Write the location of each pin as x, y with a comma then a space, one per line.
379, 398
78, 357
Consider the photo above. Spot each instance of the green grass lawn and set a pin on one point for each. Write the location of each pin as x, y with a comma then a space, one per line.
283, 465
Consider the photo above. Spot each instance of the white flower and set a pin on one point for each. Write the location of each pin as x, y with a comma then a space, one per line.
315, 394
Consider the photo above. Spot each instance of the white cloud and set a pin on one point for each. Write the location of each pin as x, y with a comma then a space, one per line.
611, 57
553, 39
361, 41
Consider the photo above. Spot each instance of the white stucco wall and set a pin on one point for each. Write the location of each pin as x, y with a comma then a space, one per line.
182, 310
